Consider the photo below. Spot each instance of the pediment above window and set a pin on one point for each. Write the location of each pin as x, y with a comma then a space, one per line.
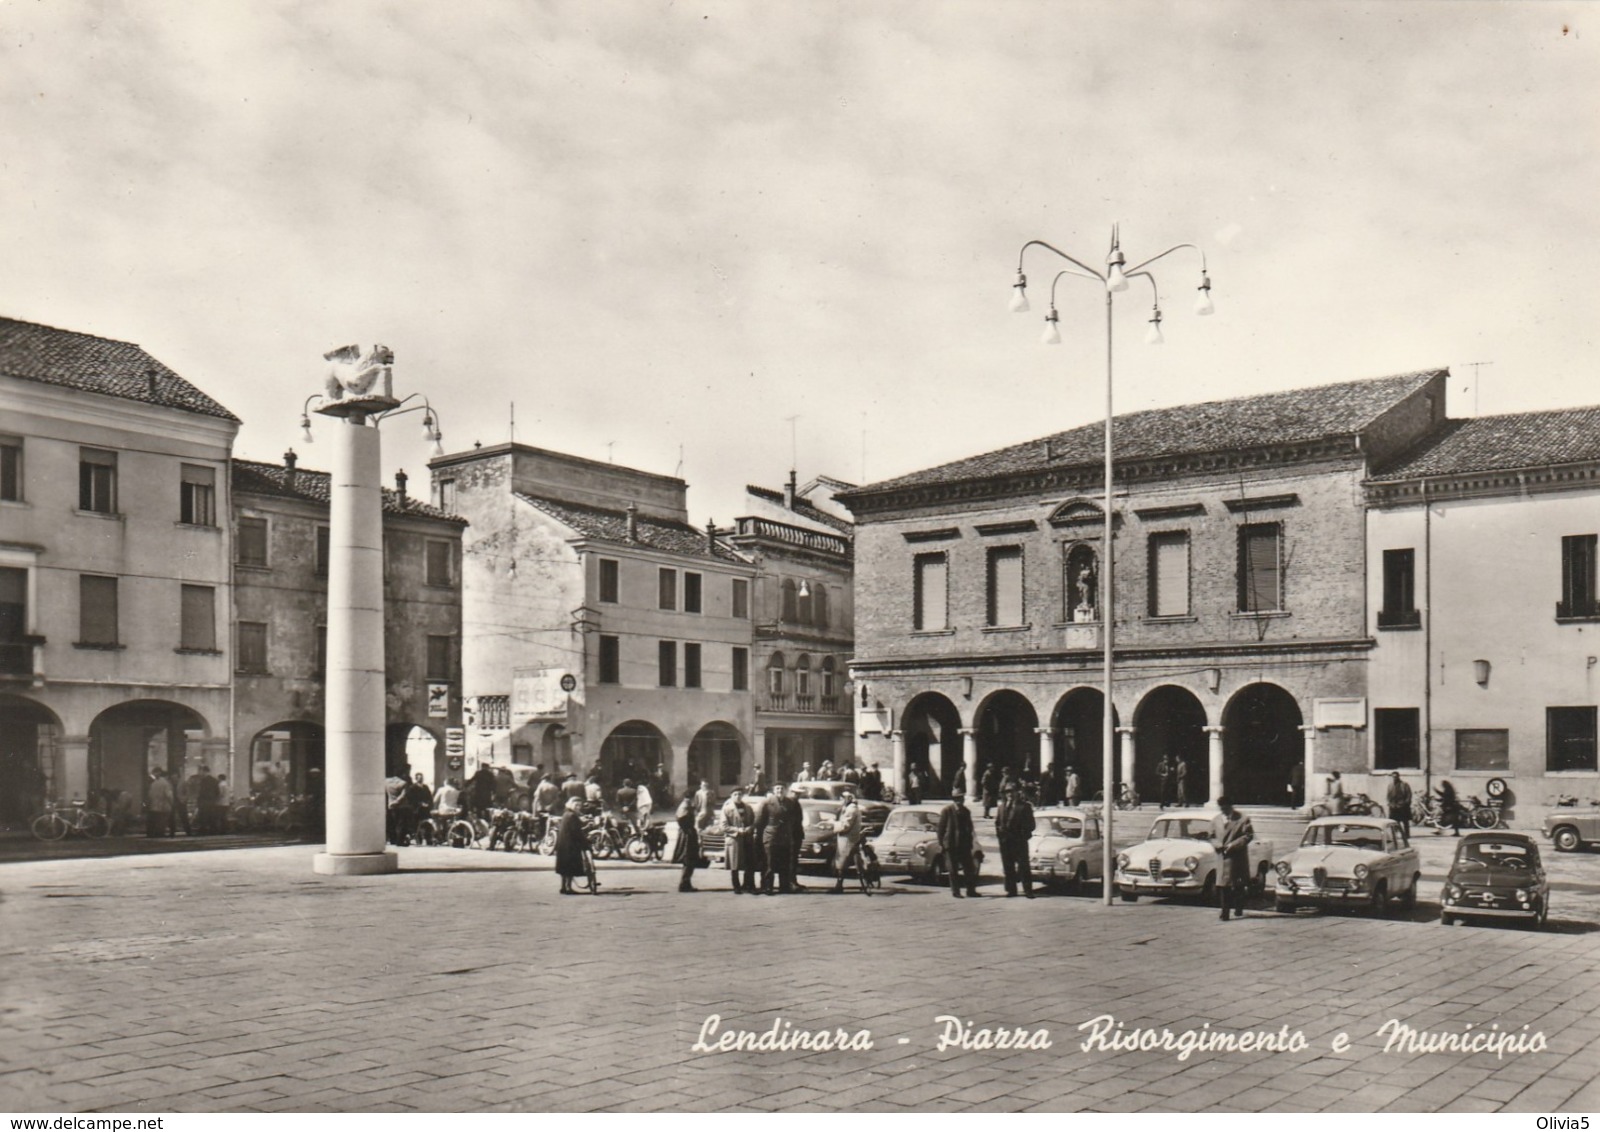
1081, 513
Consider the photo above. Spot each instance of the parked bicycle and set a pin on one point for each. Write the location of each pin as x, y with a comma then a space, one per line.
1127, 797
57, 821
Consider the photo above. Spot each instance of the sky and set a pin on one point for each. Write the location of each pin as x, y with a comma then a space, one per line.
723, 239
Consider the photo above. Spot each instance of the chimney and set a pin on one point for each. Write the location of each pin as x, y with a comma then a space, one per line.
289, 473
789, 491
400, 486
633, 522
711, 536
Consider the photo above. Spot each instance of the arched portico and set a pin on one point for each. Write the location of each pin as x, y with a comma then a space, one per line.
1170, 727
287, 758
1262, 745
28, 741
717, 756
129, 740
633, 750
414, 746
1079, 721
1007, 736
932, 729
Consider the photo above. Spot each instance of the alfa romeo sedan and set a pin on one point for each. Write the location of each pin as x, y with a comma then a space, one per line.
1180, 858
1066, 846
1349, 861
1496, 876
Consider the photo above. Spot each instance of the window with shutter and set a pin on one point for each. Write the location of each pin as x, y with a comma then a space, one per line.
1169, 574
97, 610
1260, 568
930, 597
198, 619
1005, 585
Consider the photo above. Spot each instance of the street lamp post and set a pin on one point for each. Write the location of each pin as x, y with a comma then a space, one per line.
359, 396
1112, 280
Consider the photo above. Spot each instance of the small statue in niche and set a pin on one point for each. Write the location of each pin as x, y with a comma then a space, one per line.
1084, 585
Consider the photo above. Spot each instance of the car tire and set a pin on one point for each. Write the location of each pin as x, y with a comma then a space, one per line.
1543, 917
1208, 891
1284, 904
1566, 839
1408, 899
1259, 886
1080, 878
936, 873
1128, 897
1380, 899
1447, 920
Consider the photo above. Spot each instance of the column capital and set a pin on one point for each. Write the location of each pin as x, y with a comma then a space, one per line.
1308, 728
966, 730
1044, 730
1126, 730
1212, 729
895, 736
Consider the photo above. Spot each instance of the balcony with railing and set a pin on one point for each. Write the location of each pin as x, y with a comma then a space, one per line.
808, 703
494, 713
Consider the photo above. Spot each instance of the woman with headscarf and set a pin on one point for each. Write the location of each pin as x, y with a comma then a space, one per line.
571, 842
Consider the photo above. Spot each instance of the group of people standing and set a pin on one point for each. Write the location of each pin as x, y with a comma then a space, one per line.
198, 804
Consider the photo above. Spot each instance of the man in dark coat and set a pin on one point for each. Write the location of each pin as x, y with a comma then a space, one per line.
914, 784
872, 784
797, 822
1169, 780
955, 839
480, 791
1234, 834
570, 845
987, 780
627, 797
688, 851
1013, 826
778, 836
740, 822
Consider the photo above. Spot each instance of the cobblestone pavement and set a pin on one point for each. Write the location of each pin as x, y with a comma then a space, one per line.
238, 981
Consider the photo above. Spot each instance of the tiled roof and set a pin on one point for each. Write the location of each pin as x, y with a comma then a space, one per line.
1517, 440
1293, 416
97, 365
803, 507
312, 487
612, 526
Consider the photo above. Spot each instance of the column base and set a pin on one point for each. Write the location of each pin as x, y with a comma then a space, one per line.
355, 864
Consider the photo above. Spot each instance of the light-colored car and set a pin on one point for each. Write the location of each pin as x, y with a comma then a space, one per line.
909, 843
1570, 829
872, 813
1180, 858
1347, 861
1066, 846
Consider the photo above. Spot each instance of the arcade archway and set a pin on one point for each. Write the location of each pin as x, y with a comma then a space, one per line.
28, 735
634, 750
1079, 726
128, 741
931, 726
1262, 745
716, 755
1169, 726
1007, 736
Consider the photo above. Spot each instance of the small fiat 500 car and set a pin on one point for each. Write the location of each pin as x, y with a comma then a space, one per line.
1066, 846
1352, 860
909, 843
1571, 829
1496, 875
1180, 858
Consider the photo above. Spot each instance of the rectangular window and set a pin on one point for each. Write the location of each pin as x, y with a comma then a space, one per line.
1005, 585
447, 496
11, 469
197, 505
1578, 597
1483, 749
1260, 568
691, 666
97, 610
1396, 738
741, 597
440, 563
97, 481
667, 661
741, 669
669, 589
324, 552
252, 545
252, 647
1169, 574
610, 580
691, 592
441, 657
931, 592
610, 660
198, 621
1570, 738
322, 653
1399, 590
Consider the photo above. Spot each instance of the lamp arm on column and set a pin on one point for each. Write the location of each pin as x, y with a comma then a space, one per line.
1069, 271
1169, 251
1093, 274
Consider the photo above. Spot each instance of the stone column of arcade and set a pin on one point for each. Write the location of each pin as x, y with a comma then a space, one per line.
969, 759
897, 748
355, 676
1047, 750
1214, 761
1310, 766
1127, 754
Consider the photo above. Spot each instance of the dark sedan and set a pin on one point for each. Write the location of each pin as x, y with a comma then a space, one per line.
1496, 876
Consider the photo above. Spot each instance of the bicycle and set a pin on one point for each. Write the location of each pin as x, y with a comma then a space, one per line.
57, 821
1127, 797
865, 862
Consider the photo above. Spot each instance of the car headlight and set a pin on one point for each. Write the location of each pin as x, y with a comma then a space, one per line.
1453, 891
1283, 868
1522, 894
1064, 855
1122, 860
1191, 863
1361, 872
925, 850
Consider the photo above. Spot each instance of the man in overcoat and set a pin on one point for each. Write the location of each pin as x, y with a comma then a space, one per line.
778, 837
1234, 834
797, 822
1013, 826
846, 835
955, 840
688, 851
740, 822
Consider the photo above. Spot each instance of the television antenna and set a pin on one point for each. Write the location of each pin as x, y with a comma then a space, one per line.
1476, 367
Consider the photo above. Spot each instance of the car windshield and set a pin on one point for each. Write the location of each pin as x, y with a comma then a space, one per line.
912, 819
816, 813
1355, 836
1498, 854
1065, 826
810, 791
1189, 829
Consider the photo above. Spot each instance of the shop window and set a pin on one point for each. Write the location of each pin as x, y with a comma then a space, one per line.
1483, 749
1570, 738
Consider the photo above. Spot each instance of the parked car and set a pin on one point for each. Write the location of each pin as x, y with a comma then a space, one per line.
714, 837
817, 840
872, 813
909, 843
1180, 858
1496, 875
1572, 829
1354, 860
1066, 847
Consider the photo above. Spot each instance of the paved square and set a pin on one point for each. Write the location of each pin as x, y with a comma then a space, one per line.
236, 980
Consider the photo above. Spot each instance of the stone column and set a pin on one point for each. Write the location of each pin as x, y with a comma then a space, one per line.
1310, 732
969, 759
1126, 774
1214, 761
355, 679
897, 751
1047, 749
